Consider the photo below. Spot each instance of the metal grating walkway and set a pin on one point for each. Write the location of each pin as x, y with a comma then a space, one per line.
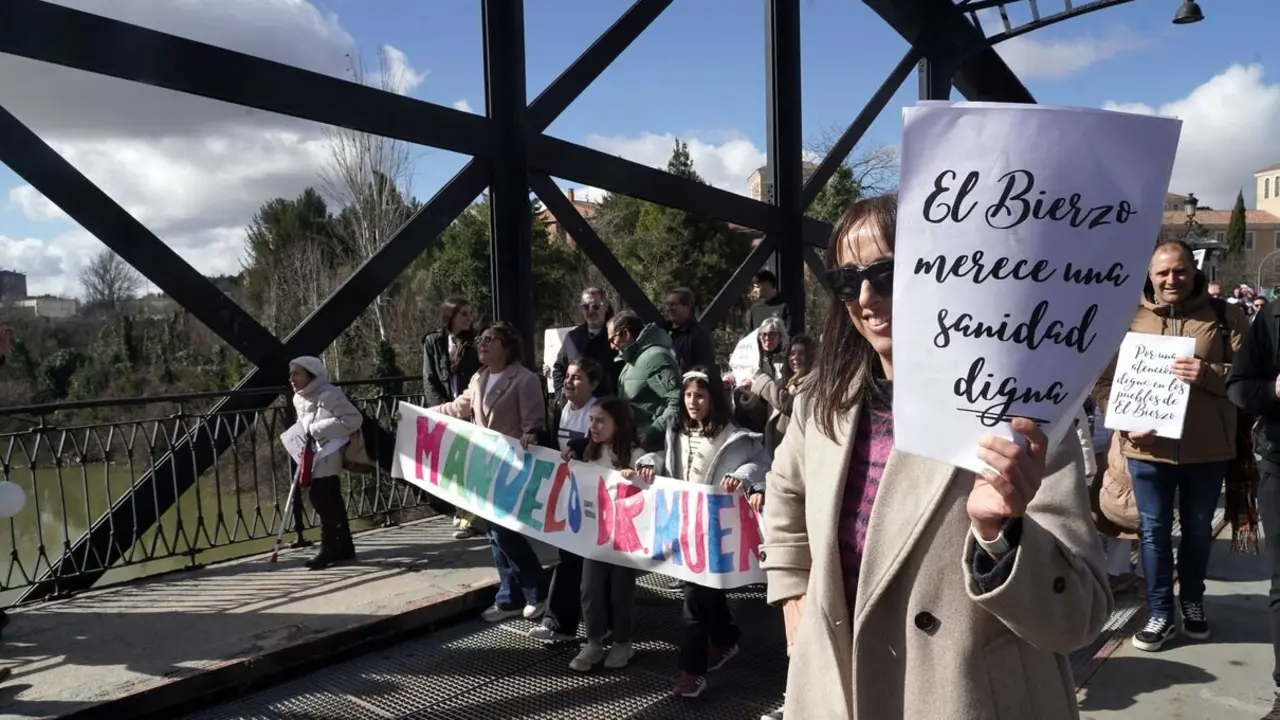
478, 671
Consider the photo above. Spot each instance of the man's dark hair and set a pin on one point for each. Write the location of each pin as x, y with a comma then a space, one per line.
685, 294
629, 321
1170, 245
765, 276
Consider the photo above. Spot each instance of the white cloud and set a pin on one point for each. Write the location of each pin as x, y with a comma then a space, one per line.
726, 164
462, 104
590, 194
1220, 149
1035, 56
192, 170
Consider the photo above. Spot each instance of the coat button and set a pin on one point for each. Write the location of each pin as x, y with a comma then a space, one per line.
763, 557
1059, 585
926, 622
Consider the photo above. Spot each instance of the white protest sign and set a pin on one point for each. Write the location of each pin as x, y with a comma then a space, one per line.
1199, 256
1144, 393
1017, 225
744, 362
552, 341
294, 441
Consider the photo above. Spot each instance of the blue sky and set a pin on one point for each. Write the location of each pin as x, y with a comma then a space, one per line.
698, 73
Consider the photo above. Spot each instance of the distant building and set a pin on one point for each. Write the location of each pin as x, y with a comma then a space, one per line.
47, 306
760, 184
13, 286
585, 208
1261, 238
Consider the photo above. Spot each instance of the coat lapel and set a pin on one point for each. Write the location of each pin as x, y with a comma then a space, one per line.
911, 490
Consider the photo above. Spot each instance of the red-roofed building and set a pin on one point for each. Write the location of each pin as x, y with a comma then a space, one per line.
1262, 233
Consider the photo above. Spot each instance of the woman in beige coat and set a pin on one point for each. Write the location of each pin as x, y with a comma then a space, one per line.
911, 588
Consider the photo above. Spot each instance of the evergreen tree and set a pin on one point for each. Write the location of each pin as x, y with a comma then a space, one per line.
1235, 236
835, 196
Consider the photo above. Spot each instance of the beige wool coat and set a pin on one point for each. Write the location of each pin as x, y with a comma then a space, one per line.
922, 642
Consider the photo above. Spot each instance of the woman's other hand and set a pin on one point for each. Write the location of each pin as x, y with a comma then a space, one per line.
756, 501
528, 439
791, 611
730, 483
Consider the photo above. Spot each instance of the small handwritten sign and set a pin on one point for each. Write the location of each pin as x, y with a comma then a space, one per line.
1145, 395
1017, 224
744, 363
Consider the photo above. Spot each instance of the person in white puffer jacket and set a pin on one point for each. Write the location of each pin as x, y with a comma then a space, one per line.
327, 416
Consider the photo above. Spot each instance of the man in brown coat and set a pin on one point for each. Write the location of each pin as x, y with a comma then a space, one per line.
1176, 302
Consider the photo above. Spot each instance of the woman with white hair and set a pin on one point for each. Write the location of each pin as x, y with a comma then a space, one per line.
327, 416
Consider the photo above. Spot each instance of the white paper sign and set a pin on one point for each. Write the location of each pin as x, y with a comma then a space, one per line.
295, 441
1024, 234
552, 341
1144, 393
1199, 256
744, 363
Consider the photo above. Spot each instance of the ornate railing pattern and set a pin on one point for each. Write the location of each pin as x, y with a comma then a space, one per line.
75, 460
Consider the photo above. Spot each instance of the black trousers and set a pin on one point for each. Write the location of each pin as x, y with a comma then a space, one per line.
707, 622
564, 604
1269, 513
335, 530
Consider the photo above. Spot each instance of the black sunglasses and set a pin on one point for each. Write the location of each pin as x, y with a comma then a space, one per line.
846, 282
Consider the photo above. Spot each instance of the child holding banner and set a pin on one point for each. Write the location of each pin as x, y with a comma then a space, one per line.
703, 446
582, 378
608, 590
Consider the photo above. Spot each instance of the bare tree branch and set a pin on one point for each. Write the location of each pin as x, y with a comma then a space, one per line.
874, 168
109, 280
370, 177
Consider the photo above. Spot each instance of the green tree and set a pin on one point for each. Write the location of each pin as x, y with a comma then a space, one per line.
291, 259
663, 247
835, 196
1235, 236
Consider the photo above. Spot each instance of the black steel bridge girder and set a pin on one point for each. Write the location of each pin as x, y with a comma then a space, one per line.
90, 43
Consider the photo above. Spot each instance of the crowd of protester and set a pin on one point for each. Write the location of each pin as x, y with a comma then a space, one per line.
908, 588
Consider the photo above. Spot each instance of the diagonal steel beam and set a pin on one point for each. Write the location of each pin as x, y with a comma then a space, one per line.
940, 31
55, 178
81, 565
566, 88
55, 34
853, 134
736, 286
585, 237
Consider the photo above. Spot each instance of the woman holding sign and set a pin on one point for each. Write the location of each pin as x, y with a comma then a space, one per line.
912, 588
507, 397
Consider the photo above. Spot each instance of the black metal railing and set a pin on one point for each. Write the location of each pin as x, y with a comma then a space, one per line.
75, 460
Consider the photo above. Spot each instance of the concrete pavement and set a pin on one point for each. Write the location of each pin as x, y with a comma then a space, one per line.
1227, 677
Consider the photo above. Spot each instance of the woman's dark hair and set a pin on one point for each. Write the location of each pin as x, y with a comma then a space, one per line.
625, 435
591, 369
847, 365
449, 310
721, 414
809, 346
629, 321
510, 337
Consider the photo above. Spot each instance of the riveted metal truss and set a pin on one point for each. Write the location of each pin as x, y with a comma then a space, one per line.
510, 155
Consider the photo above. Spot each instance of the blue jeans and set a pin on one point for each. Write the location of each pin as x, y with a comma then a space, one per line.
520, 574
1198, 487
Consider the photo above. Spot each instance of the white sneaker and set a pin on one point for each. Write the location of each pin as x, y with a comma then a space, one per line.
543, 633
619, 655
534, 611
496, 614
588, 658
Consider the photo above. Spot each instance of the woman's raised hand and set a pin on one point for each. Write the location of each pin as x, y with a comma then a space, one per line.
1012, 479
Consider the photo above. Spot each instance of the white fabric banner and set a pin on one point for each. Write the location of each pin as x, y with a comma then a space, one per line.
692, 532
1024, 234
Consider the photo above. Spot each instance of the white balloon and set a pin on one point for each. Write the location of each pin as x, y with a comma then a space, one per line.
12, 499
